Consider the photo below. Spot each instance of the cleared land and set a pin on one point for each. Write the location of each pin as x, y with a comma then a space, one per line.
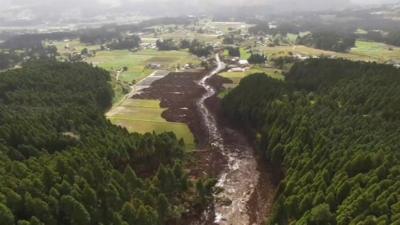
143, 116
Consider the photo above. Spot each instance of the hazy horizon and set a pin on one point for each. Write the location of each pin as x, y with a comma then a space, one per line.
33, 12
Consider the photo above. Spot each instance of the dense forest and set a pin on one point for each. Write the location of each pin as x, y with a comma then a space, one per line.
132, 42
8, 59
195, 46
331, 41
63, 163
12, 57
334, 127
24, 41
391, 38
167, 45
343, 26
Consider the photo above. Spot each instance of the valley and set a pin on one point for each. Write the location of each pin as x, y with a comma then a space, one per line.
227, 118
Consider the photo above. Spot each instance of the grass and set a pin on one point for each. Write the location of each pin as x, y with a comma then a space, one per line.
244, 54
136, 61
237, 76
375, 50
144, 116
73, 46
364, 51
292, 38
302, 50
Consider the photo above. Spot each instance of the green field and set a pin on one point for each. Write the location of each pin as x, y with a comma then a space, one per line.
244, 54
236, 77
364, 51
71, 46
145, 116
376, 50
304, 50
136, 61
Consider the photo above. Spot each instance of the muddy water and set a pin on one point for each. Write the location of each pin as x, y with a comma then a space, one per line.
240, 177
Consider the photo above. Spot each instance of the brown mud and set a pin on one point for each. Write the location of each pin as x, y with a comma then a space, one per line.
179, 93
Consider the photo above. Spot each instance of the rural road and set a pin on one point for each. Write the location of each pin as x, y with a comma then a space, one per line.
136, 88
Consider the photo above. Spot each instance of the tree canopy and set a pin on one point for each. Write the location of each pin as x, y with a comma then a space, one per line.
334, 127
62, 162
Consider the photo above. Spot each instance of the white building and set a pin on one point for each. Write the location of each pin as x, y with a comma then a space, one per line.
243, 62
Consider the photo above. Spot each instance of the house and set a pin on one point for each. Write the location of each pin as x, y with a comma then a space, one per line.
154, 66
237, 69
231, 66
243, 62
301, 57
272, 26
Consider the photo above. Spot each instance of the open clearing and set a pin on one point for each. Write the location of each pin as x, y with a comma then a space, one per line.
143, 116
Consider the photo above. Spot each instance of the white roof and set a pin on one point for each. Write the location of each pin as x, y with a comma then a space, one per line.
243, 62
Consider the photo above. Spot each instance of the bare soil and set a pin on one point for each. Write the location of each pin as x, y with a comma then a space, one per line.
179, 92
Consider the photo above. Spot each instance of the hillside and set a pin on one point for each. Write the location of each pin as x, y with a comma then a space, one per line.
63, 163
333, 126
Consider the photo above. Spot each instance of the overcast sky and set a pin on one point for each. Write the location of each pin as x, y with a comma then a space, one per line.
54, 8
121, 2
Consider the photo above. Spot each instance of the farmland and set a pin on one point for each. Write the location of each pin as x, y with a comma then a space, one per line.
375, 50
143, 116
237, 76
70, 46
136, 62
364, 51
205, 30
